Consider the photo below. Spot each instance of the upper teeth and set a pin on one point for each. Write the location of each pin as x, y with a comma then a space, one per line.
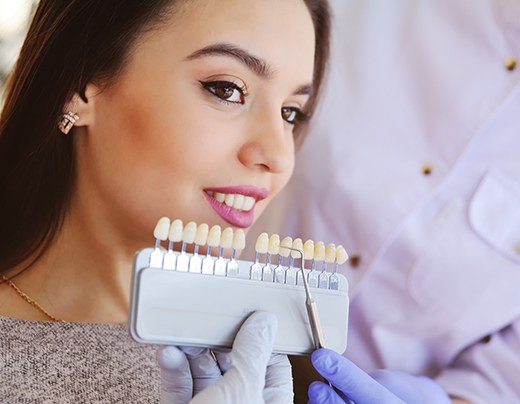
236, 201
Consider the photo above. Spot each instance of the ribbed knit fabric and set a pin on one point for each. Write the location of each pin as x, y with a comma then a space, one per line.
50, 362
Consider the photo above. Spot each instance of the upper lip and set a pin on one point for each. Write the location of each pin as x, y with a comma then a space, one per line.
246, 190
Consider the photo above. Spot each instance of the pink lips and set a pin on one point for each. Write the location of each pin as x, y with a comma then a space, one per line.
232, 216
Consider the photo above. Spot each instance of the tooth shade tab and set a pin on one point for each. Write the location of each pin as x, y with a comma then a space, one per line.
274, 244
214, 236
319, 251
226, 239
341, 255
330, 253
176, 230
220, 197
297, 244
262, 243
239, 240
161, 228
188, 235
286, 242
308, 250
230, 199
201, 236
238, 202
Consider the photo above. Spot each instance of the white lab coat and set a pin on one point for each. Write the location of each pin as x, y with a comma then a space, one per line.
417, 83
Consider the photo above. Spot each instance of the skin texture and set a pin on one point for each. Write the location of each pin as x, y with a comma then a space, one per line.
150, 142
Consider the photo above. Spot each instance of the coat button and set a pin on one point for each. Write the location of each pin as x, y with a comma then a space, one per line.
511, 64
354, 260
427, 169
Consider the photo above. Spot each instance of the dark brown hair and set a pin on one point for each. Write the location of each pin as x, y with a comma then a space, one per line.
71, 43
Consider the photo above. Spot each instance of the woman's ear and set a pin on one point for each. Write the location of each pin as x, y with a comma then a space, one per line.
83, 105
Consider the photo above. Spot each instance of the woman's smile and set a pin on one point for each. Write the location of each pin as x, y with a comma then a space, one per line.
235, 204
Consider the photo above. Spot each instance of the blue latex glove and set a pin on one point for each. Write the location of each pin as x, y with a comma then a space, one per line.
249, 373
383, 386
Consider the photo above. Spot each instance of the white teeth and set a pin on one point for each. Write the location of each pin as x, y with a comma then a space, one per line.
308, 250
161, 229
319, 251
230, 198
176, 230
220, 197
226, 239
249, 202
330, 253
341, 255
235, 201
189, 233
214, 236
262, 243
287, 242
201, 236
298, 245
238, 201
274, 244
239, 240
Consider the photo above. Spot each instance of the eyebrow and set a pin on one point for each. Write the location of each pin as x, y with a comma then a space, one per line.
257, 65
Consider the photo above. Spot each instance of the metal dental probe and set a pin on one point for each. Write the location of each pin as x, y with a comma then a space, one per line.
310, 303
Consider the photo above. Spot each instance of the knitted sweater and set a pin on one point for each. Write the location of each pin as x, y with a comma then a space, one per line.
51, 362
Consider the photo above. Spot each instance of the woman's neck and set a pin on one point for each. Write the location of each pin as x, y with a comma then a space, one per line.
84, 276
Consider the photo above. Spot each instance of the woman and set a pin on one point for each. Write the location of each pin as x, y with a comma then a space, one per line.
167, 100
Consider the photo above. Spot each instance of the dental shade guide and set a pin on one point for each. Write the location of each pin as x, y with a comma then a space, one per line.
284, 251
213, 241
160, 233
261, 247
201, 238
191, 299
341, 258
239, 243
174, 236
226, 241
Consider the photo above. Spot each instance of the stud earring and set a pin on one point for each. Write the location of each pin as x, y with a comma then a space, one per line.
67, 121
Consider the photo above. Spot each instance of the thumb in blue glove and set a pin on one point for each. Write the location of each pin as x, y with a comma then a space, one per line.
383, 386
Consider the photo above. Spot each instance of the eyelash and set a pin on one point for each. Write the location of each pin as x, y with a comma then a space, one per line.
213, 86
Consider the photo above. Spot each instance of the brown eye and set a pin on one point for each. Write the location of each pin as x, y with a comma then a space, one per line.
291, 115
226, 91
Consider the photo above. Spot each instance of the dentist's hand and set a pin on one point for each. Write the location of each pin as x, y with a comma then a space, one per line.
247, 374
383, 386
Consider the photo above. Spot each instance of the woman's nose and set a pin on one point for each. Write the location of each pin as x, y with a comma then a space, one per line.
269, 145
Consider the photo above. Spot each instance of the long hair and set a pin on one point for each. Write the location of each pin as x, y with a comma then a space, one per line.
71, 43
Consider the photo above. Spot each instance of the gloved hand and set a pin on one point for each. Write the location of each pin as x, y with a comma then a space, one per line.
247, 374
383, 386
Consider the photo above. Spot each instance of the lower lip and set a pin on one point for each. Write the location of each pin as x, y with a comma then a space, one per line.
232, 216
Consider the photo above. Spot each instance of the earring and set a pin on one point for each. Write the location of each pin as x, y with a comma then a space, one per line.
67, 121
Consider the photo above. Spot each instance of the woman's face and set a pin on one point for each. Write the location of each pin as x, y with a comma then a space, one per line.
205, 105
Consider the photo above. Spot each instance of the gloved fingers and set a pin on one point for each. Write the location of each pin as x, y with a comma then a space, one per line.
244, 381
203, 366
320, 393
223, 359
278, 380
253, 345
176, 381
351, 380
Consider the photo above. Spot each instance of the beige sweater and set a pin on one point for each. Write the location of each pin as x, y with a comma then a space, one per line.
50, 362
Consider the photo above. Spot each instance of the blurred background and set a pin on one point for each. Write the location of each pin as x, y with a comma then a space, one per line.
15, 16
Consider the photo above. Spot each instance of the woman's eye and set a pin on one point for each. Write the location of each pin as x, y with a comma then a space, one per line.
293, 115
226, 91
